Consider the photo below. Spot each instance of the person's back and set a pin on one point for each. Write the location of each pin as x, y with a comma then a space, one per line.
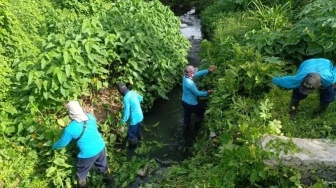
189, 89
316, 73
322, 67
91, 142
316, 65
132, 113
135, 105
132, 101
84, 131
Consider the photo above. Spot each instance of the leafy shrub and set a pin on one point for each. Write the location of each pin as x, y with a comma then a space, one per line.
235, 25
243, 70
139, 49
152, 52
308, 37
212, 14
239, 111
64, 54
233, 158
16, 39
18, 166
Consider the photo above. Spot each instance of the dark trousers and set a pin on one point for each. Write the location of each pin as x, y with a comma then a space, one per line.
84, 164
134, 132
327, 95
188, 110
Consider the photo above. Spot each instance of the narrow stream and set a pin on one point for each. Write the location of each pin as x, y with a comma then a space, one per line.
162, 129
163, 123
166, 115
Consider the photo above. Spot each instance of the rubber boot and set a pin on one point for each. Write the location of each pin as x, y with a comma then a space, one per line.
82, 183
139, 136
185, 130
294, 104
321, 109
197, 124
133, 144
108, 178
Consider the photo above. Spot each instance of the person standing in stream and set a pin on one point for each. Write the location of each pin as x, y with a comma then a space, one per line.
84, 131
190, 94
132, 113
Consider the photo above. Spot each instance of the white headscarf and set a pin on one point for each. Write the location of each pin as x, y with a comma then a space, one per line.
76, 112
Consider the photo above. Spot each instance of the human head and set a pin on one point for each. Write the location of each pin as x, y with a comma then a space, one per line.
122, 88
309, 83
76, 112
190, 70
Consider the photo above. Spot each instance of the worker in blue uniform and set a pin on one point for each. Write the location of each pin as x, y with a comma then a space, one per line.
313, 74
190, 94
132, 113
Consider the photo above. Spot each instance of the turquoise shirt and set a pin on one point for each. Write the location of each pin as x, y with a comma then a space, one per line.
321, 66
189, 89
132, 108
91, 142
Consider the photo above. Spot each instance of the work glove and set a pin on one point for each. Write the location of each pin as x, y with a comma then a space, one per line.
212, 68
210, 91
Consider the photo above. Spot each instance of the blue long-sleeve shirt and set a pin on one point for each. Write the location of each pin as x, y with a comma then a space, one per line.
132, 108
321, 66
189, 89
90, 144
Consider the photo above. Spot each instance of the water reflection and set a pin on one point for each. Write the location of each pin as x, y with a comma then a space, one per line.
164, 125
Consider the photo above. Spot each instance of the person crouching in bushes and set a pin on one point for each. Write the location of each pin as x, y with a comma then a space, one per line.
84, 131
132, 113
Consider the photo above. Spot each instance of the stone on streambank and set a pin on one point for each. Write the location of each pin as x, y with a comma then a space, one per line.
144, 171
182, 26
314, 158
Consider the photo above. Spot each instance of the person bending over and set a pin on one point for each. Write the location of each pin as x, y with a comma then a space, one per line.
84, 131
313, 74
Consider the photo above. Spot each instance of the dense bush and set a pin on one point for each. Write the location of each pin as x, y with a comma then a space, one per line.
306, 36
152, 50
55, 51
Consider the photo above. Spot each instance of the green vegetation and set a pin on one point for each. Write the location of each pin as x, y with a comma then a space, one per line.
250, 42
54, 51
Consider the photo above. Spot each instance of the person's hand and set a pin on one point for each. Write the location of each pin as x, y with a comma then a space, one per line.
212, 68
210, 91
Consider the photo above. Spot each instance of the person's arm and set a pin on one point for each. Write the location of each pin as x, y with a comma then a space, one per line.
201, 73
289, 82
328, 78
211, 69
140, 98
194, 90
126, 113
63, 141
